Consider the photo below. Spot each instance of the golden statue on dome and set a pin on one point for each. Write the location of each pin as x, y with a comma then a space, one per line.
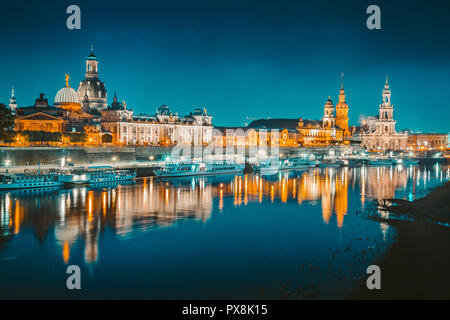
67, 80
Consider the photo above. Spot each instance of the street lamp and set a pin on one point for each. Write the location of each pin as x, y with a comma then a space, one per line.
62, 162
114, 159
7, 163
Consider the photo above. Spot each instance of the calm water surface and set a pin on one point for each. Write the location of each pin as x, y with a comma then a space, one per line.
293, 235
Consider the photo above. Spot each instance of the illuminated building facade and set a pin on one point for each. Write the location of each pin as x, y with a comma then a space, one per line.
164, 128
380, 133
65, 115
427, 141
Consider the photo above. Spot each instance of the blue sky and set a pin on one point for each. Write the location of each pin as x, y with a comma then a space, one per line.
237, 59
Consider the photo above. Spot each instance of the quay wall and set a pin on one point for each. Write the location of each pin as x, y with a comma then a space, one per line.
30, 156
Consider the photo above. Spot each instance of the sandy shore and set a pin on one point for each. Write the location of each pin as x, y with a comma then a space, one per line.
418, 264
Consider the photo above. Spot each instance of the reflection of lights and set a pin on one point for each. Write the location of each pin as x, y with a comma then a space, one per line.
66, 252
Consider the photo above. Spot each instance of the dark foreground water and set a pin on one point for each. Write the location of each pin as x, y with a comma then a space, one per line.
293, 235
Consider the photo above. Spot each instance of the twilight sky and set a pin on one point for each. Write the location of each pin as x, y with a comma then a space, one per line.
238, 59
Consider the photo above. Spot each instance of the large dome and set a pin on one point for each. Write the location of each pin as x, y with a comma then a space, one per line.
67, 98
66, 95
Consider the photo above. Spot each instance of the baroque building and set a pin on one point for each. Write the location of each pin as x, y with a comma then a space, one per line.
342, 111
379, 132
65, 115
164, 128
333, 128
92, 91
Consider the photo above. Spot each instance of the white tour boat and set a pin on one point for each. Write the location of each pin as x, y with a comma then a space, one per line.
109, 174
405, 161
297, 163
25, 181
268, 167
198, 169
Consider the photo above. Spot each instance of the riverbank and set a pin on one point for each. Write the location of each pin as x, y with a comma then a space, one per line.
417, 265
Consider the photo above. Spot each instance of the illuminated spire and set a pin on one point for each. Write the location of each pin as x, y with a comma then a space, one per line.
12, 101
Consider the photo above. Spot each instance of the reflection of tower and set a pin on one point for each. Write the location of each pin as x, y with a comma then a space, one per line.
342, 111
329, 120
327, 199
341, 198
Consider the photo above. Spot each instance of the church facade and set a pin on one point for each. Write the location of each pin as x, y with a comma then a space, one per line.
379, 131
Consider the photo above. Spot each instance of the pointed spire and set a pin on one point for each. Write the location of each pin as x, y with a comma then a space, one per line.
115, 97
342, 81
91, 55
12, 100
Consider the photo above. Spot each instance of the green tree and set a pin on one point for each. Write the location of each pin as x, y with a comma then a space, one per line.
77, 137
6, 123
42, 136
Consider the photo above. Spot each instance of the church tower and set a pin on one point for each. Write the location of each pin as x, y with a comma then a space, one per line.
12, 102
92, 87
386, 121
329, 120
91, 65
342, 110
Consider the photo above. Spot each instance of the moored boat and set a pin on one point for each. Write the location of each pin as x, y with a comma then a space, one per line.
25, 181
296, 163
74, 177
268, 167
109, 174
332, 163
198, 169
405, 161
380, 161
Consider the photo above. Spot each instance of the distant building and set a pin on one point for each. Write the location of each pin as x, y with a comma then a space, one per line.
427, 141
331, 129
342, 112
380, 133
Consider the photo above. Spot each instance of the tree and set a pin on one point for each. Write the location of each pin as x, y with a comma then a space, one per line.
42, 136
107, 138
76, 137
6, 123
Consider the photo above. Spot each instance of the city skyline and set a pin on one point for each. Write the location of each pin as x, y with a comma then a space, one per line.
184, 58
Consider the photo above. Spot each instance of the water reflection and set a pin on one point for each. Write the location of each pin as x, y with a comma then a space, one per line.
83, 214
